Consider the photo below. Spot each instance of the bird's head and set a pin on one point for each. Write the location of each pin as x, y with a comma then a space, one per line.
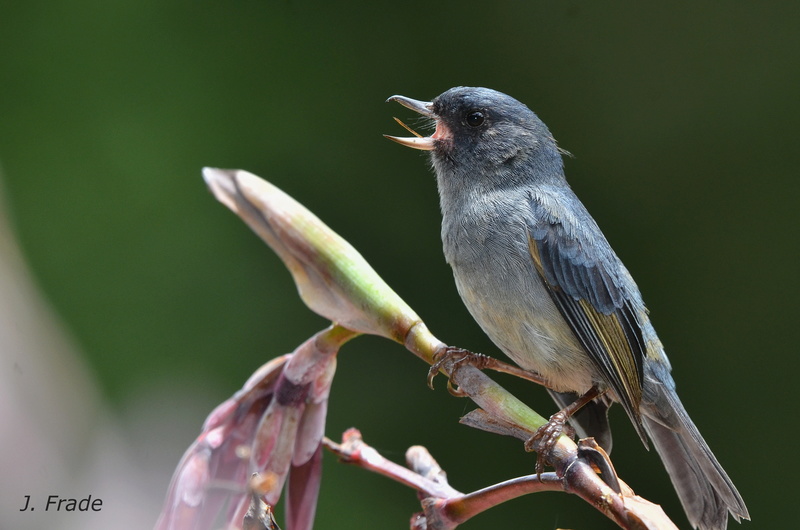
485, 135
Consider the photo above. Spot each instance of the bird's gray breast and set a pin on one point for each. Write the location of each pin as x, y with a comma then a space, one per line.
485, 241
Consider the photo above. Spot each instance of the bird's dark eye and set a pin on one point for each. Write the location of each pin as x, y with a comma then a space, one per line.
475, 118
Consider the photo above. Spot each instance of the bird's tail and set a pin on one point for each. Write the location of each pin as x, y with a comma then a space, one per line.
705, 490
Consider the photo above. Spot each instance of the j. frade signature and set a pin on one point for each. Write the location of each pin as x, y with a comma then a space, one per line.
56, 503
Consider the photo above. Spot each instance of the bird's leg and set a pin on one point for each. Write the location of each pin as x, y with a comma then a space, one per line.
459, 357
547, 435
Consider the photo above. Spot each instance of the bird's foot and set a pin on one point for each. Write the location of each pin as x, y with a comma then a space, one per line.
458, 357
546, 437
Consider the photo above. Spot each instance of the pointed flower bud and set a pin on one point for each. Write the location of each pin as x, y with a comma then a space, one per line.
333, 279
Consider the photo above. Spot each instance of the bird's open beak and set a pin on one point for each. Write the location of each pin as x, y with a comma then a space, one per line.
424, 143
423, 107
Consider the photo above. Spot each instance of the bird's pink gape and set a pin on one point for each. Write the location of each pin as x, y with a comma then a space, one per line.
441, 132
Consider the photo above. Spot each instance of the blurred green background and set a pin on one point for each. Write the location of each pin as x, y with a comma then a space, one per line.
682, 117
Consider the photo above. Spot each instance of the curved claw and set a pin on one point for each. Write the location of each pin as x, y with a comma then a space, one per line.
455, 391
458, 356
433, 371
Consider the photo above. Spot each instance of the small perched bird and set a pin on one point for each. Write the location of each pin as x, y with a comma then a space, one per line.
539, 277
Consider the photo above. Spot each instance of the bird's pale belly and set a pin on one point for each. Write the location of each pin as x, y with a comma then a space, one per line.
514, 309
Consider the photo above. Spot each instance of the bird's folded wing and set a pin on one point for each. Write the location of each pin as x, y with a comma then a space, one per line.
585, 286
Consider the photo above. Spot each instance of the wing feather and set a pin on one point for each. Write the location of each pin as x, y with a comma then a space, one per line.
586, 289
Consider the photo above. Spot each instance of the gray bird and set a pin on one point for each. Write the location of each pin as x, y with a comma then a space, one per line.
540, 278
